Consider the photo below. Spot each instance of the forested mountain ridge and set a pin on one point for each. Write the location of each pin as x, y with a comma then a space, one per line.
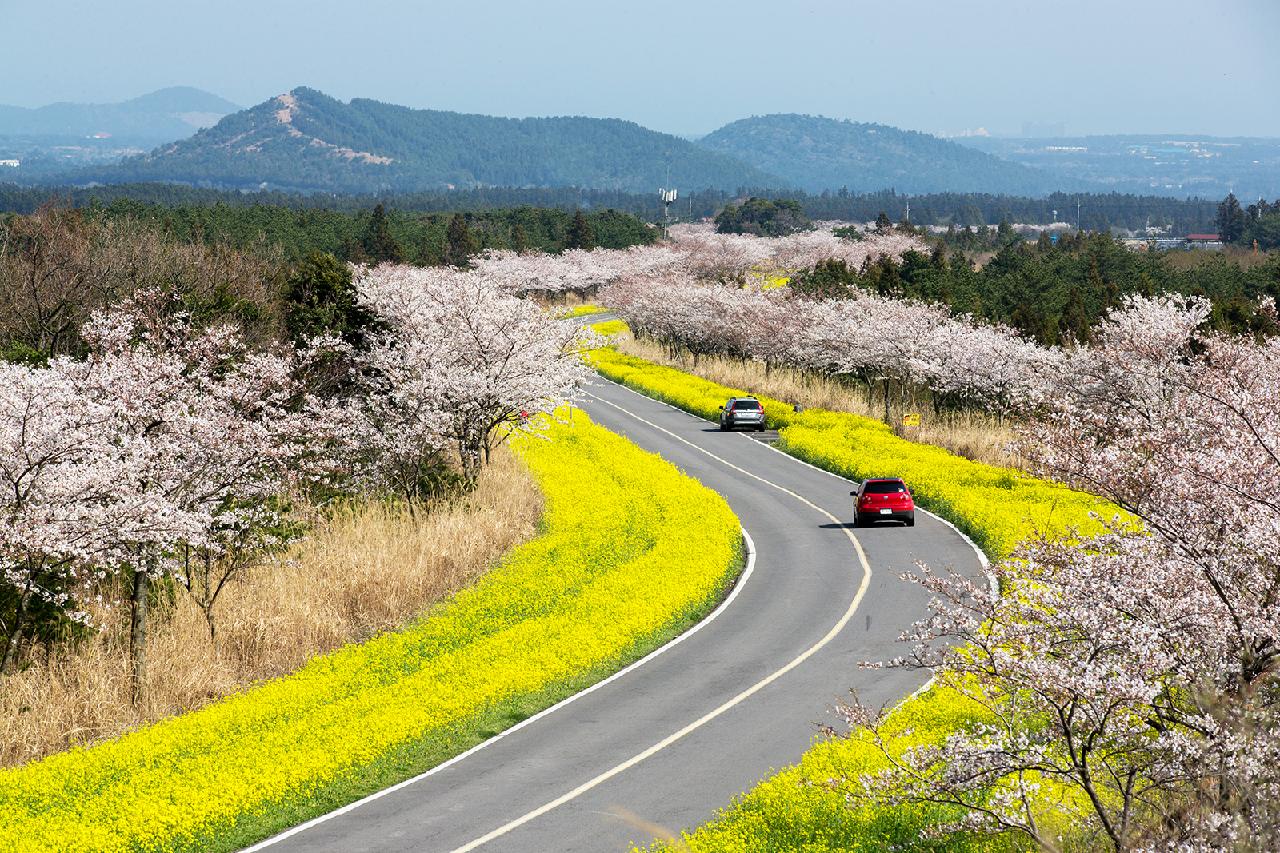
817, 153
305, 140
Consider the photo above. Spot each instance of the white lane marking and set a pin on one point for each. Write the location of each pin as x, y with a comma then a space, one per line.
736, 700
983, 560
737, 588
982, 555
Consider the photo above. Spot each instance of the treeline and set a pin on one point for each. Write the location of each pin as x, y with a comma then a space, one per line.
762, 217
15, 198
379, 234
263, 268
1097, 212
1258, 223
1055, 292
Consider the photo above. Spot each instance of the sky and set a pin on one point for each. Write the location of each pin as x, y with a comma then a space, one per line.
940, 66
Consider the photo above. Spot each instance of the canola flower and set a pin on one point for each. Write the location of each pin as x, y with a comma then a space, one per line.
799, 809
632, 550
997, 507
582, 311
608, 328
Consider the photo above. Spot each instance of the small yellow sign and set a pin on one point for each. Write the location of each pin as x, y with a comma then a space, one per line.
911, 419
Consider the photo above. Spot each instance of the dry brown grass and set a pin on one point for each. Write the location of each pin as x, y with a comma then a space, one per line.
1243, 257
364, 570
973, 435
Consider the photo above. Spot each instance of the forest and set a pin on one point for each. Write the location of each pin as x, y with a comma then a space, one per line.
376, 233
1096, 211
1057, 291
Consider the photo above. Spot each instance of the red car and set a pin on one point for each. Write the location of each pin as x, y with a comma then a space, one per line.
883, 499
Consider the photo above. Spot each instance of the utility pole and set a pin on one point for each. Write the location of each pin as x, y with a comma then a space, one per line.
668, 198
1077, 214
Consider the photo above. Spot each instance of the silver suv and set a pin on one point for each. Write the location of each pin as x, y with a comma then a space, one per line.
742, 412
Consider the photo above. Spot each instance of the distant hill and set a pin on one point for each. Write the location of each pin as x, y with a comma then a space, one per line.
817, 153
305, 140
158, 117
1165, 164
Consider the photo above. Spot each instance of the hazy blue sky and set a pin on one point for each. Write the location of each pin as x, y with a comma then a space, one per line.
1196, 66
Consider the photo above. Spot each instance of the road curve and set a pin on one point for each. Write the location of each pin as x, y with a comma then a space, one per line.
663, 746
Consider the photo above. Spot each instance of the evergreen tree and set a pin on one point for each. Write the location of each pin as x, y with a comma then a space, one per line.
1005, 234
1074, 322
320, 298
460, 243
580, 235
519, 238
1230, 219
378, 244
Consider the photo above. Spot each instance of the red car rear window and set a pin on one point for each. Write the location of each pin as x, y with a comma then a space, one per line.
883, 487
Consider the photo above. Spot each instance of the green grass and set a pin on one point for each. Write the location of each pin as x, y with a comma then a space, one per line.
815, 805
997, 507
631, 553
417, 757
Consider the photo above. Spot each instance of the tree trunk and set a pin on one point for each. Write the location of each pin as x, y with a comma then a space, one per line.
138, 634
213, 631
209, 596
14, 639
471, 452
887, 383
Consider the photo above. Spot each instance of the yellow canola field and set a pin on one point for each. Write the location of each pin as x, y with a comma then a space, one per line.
632, 551
582, 311
609, 327
998, 507
801, 809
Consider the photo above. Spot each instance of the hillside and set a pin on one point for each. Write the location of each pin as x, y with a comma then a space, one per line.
817, 153
158, 117
305, 140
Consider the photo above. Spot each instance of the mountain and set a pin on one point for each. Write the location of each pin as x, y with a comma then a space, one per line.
817, 153
158, 117
305, 140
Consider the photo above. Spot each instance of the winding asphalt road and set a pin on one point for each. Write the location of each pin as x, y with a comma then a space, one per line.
664, 745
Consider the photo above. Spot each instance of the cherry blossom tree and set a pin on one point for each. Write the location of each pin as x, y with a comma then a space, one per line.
463, 362
898, 344
1137, 668
203, 428
573, 271
58, 506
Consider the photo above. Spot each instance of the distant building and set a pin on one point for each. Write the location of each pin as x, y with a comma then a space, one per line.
1203, 241
11, 163
1164, 244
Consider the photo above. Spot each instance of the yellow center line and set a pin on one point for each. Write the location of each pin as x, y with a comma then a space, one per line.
736, 700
